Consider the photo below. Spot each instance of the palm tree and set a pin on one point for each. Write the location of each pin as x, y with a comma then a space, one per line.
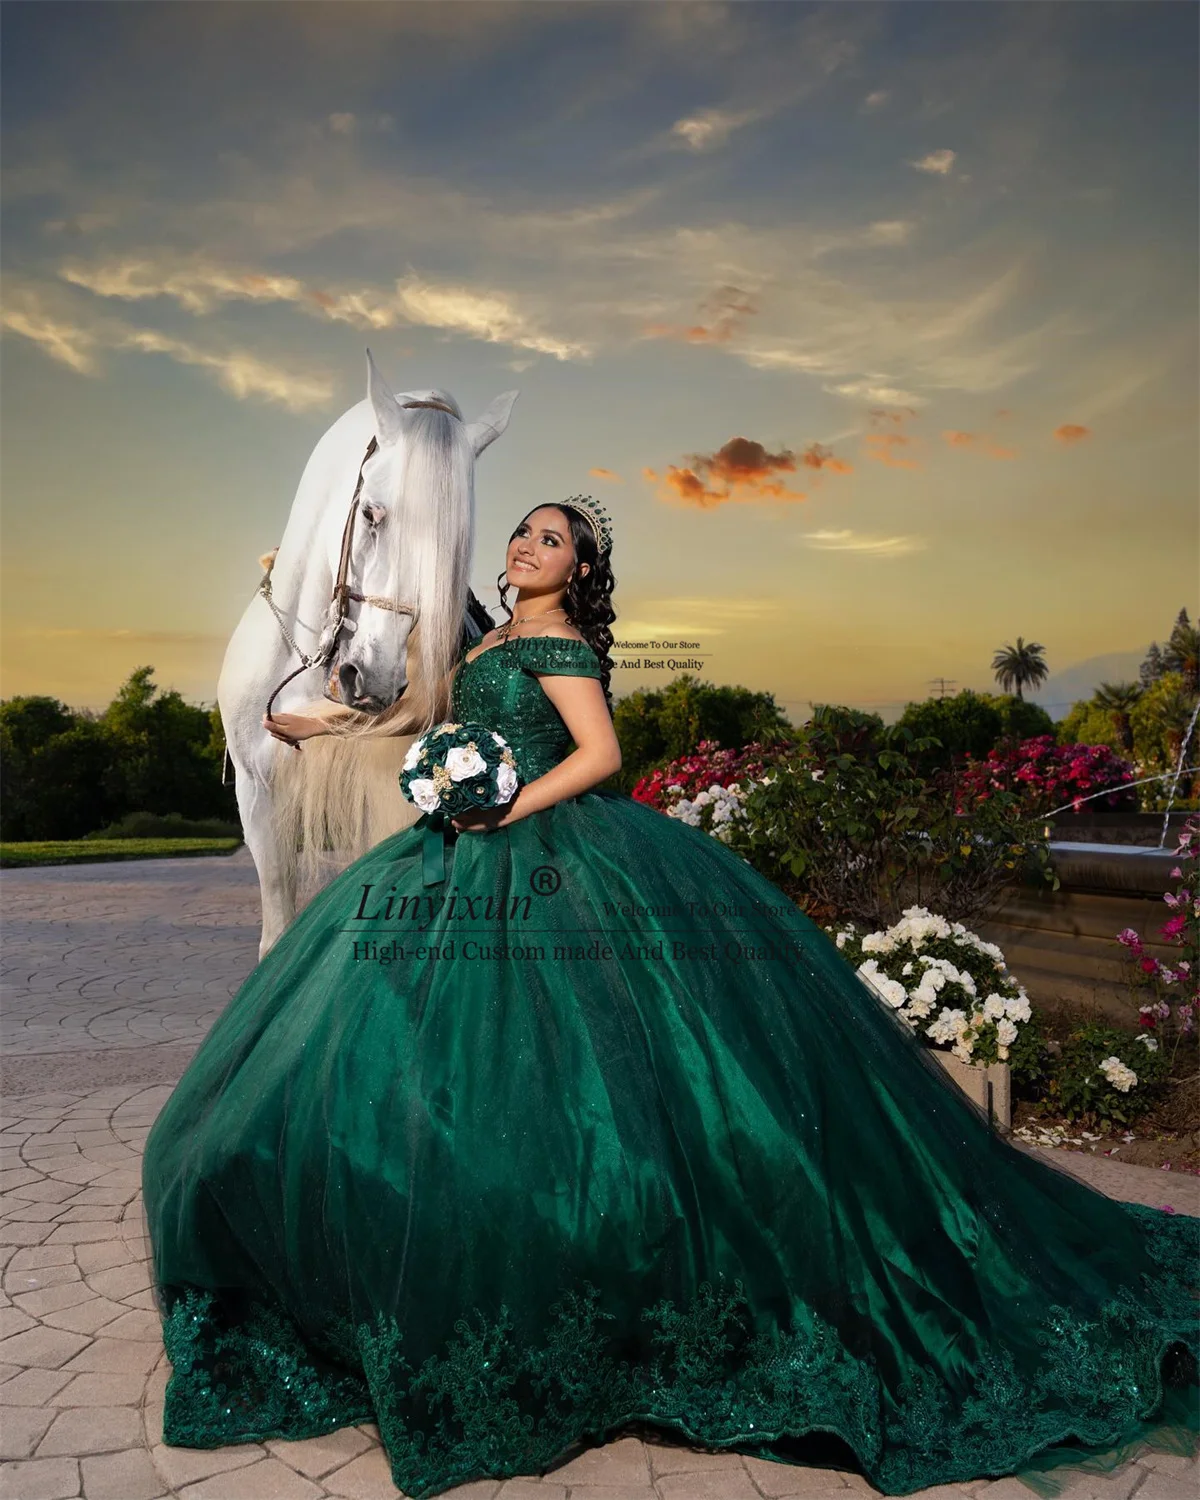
1020, 666
1119, 698
1183, 652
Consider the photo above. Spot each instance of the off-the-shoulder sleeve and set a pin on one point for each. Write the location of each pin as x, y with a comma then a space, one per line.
558, 656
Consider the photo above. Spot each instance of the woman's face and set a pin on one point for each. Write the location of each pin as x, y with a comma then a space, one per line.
541, 553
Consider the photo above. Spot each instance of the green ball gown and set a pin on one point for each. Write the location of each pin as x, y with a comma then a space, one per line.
516, 1139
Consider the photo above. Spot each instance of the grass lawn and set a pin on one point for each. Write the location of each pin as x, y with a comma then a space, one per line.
90, 851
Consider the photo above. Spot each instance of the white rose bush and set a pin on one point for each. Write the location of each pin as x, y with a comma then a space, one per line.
951, 987
454, 768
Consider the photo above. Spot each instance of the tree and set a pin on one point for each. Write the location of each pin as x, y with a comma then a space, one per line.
963, 723
655, 727
1183, 652
1118, 699
1020, 666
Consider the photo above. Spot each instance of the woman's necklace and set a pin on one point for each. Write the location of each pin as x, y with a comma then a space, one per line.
502, 631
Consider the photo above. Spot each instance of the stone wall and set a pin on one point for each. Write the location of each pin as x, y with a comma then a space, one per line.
1061, 945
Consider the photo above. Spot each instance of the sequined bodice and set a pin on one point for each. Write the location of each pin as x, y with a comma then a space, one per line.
499, 688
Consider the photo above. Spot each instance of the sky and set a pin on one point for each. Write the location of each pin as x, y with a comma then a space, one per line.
874, 326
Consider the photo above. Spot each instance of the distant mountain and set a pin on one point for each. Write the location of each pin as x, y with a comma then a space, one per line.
1062, 689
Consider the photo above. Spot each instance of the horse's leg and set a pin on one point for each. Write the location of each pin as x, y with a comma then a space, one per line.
276, 871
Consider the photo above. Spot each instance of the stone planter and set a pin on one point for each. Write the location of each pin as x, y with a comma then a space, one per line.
973, 1079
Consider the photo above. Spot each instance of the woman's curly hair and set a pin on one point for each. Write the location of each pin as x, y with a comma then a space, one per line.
588, 601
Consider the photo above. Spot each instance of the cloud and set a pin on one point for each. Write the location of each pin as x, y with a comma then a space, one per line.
876, 99
937, 163
890, 232
818, 456
977, 442
868, 390
888, 443
742, 471
77, 343
66, 342
342, 124
1071, 432
200, 285
238, 371
853, 541
607, 474
723, 311
664, 619
710, 128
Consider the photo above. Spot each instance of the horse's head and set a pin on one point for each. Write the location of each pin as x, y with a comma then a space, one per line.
414, 533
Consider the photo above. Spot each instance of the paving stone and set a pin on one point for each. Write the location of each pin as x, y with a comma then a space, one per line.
531, 1489
102, 1388
39, 1257
92, 1429
121, 1476
320, 1455
25, 1234
40, 1479
184, 1466
1162, 1486
37, 1278
53, 1298
623, 1461
670, 1458
122, 1281
709, 1484
13, 1320
47, 1348
366, 1478
46, 1190
88, 1317
611, 1492
121, 1356
135, 1324
100, 1256
22, 1428
32, 1387
784, 1481
266, 1480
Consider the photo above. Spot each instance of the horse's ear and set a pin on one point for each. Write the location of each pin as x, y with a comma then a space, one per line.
386, 407
485, 429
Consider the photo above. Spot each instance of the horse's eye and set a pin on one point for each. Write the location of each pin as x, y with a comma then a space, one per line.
374, 514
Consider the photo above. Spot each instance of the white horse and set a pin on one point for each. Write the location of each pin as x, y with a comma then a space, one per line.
389, 640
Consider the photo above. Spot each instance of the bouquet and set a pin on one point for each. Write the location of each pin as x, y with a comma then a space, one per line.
453, 768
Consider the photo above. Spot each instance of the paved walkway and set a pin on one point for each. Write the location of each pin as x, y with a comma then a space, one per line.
112, 975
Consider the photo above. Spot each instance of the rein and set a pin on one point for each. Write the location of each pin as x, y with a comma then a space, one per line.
342, 592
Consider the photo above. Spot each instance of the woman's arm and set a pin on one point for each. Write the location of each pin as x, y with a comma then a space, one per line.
581, 702
291, 728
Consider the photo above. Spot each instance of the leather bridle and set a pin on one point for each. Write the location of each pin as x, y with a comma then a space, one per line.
342, 592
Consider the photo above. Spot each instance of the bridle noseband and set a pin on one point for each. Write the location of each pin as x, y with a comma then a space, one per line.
342, 592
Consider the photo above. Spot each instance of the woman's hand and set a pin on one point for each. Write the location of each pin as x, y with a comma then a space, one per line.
292, 728
485, 819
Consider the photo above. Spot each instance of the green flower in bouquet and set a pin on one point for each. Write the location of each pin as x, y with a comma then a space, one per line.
454, 768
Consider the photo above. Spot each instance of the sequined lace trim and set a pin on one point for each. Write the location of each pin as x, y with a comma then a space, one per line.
489, 1406
544, 653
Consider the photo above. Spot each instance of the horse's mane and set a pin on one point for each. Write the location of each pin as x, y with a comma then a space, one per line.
340, 795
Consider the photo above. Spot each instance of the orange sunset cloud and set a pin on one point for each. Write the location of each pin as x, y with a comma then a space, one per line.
978, 442
1072, 432
742, 471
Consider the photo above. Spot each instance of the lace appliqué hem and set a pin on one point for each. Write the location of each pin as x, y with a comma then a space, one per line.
491, 1407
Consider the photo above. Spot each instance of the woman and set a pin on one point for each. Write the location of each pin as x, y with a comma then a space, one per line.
592, 1127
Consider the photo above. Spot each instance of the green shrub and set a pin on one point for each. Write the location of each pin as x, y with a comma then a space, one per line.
1080, 1087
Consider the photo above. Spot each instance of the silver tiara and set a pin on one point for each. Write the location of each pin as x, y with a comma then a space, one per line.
597, 517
